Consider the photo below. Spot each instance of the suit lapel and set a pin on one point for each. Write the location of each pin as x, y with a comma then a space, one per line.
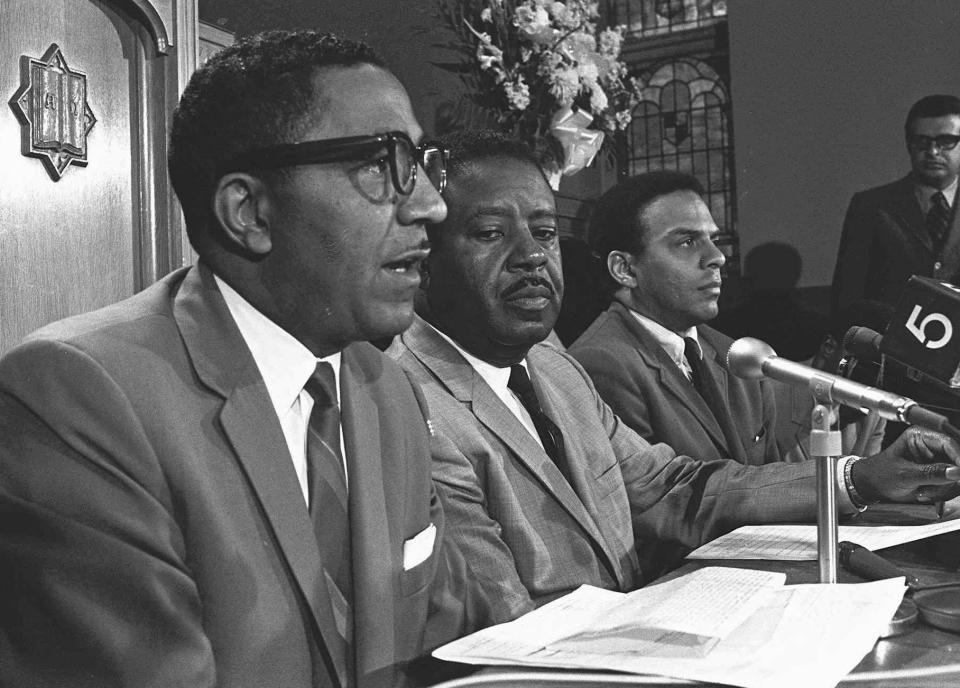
906, 209
372, 513
721, 378
223, 363
552, 401
672, 379
459, 377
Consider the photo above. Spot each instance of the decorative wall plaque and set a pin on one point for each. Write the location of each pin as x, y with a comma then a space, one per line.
51, 103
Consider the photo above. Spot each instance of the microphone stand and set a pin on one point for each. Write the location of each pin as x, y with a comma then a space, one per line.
825, 449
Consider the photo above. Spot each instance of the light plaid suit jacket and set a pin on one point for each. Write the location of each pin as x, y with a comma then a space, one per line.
529, 536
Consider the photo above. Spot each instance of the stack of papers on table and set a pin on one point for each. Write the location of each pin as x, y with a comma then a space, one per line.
799, 543
722, 625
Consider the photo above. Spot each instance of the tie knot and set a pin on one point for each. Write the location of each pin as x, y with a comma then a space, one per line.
322, 385
691, 350
940, 201
519, 381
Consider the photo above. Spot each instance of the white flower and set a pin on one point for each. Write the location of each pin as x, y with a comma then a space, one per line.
611, 41
564, 85
558, 11
533, 23
587, 71
623, 118
489, 55
518, 94
598, 98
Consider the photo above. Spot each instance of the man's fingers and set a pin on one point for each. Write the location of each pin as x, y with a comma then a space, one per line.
938, 473
924, 445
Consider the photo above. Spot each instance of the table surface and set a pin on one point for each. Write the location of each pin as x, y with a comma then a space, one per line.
924, 657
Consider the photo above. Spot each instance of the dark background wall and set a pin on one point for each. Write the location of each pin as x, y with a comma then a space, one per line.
820, 89
820, 92
404, 32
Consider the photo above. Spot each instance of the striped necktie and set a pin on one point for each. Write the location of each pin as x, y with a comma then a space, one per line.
328, 501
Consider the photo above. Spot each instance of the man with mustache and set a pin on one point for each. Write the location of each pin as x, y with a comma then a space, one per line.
908, 227
218, 482
544, 488
651, 355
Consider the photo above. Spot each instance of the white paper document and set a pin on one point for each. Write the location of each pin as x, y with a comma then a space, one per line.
799, 542
722, 625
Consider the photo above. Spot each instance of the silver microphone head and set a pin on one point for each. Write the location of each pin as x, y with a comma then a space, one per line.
746, 356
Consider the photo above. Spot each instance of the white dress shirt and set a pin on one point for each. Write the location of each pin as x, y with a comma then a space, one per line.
285, 366
671, 342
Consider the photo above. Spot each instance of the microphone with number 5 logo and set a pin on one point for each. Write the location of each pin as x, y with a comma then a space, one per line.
924, 332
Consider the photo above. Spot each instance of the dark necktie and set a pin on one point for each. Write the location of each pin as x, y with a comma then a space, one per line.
550, 436
691, 352
328, 498
938, 221
709, 389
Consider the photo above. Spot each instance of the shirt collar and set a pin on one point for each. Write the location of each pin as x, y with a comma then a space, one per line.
284, 363
925, 193
497, 378
672, 342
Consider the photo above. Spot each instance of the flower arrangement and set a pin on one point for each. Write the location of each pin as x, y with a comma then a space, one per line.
543, 67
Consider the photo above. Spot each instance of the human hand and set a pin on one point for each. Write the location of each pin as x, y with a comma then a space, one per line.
920, 466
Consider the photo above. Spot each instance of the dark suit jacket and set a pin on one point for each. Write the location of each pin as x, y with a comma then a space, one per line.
648, 391
152, 529
884, 242
528, 534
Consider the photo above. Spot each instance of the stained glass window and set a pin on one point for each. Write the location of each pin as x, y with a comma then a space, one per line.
653, 17
681, 123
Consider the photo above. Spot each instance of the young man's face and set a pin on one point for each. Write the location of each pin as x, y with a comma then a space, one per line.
495, 281
933, 165
346, 247
678, 271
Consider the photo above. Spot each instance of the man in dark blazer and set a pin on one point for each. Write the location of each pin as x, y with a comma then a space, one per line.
655, 236
904, 228
544, 488
156, 473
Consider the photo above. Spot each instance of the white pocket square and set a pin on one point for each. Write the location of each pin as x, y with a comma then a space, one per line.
418, 548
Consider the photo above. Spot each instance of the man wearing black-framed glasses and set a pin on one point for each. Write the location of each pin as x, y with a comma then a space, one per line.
218, 481
907, 227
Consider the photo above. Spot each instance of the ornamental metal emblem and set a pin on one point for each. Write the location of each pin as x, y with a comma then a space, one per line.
51, 103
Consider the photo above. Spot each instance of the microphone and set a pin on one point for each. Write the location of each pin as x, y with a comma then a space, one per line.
862, 342
920, 334
751, 358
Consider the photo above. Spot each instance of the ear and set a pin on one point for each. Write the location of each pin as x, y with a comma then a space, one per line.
620, 266
241, 203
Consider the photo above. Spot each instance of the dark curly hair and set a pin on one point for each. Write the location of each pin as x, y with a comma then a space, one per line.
614, 222
469, 145
255, 93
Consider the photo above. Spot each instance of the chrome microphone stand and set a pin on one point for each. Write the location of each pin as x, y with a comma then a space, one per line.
825, 449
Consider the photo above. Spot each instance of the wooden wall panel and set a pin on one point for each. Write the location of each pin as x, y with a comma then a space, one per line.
76, 244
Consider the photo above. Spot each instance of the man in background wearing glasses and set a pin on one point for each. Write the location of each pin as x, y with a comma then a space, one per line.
908, 227
218, 481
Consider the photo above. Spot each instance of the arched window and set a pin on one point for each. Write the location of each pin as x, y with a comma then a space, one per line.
682, 123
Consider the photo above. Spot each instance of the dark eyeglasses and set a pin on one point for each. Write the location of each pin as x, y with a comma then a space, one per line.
944, 142
394, 146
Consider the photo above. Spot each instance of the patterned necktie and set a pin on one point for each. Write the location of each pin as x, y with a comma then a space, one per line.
328, 498
550, 436
938, 221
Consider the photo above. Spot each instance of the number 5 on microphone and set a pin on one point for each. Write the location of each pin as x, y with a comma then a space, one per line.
919, 329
